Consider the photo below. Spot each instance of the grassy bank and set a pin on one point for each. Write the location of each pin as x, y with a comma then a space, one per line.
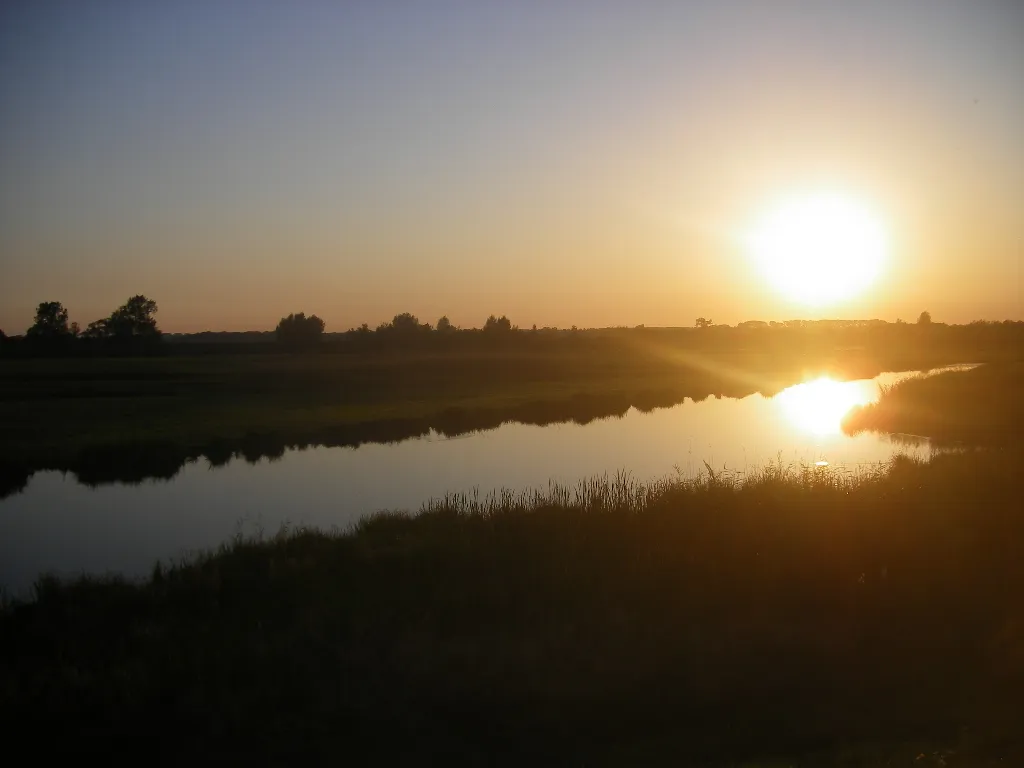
981, 406
795, 613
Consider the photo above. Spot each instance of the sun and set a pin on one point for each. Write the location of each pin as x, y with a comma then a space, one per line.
819, 249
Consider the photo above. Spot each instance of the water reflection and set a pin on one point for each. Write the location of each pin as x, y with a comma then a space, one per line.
818, 406
126, 518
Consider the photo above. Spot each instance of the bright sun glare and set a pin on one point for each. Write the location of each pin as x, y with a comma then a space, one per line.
818, 406
820, 249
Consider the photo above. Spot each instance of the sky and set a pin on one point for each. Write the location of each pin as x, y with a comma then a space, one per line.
564, 163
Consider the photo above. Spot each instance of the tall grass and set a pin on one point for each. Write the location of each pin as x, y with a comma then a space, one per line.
623, 493
689, 620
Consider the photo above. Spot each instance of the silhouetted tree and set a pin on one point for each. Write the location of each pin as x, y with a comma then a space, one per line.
497, 324
703, 322
407, 323
134, 318
297, 330
96, 330
51, 322
925, 318
444, 325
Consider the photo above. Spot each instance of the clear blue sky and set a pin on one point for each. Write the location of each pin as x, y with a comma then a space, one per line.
589, 163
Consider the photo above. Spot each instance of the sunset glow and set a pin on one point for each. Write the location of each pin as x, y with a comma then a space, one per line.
559, 163
819, 250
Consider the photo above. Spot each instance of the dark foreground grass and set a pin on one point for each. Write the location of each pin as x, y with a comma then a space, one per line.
800, 617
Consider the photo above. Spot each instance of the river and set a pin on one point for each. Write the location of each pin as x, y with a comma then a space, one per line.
59, 525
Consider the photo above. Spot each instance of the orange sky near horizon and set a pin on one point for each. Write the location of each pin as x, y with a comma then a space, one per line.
589, 164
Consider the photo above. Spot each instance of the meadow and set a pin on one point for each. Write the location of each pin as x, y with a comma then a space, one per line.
792, 616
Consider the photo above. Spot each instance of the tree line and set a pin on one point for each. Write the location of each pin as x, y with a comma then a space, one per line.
132, 329
299, 331
131, 326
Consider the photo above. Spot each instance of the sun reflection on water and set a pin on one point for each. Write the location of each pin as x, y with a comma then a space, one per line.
819, 406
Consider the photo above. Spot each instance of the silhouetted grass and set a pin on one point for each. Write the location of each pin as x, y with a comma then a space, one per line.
980, 406
796, 611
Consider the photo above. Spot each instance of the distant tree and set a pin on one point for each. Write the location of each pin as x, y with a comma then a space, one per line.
134, 318
703, 322
444, 325
497, 324
925, 318
51, 322
96, 330
363, 329
298, 331
76, 331
407, 323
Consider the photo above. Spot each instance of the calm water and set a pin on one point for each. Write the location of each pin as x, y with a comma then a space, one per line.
58, 525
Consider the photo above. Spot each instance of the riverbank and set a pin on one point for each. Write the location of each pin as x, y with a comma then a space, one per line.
794, 612
124, 419
982, 406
